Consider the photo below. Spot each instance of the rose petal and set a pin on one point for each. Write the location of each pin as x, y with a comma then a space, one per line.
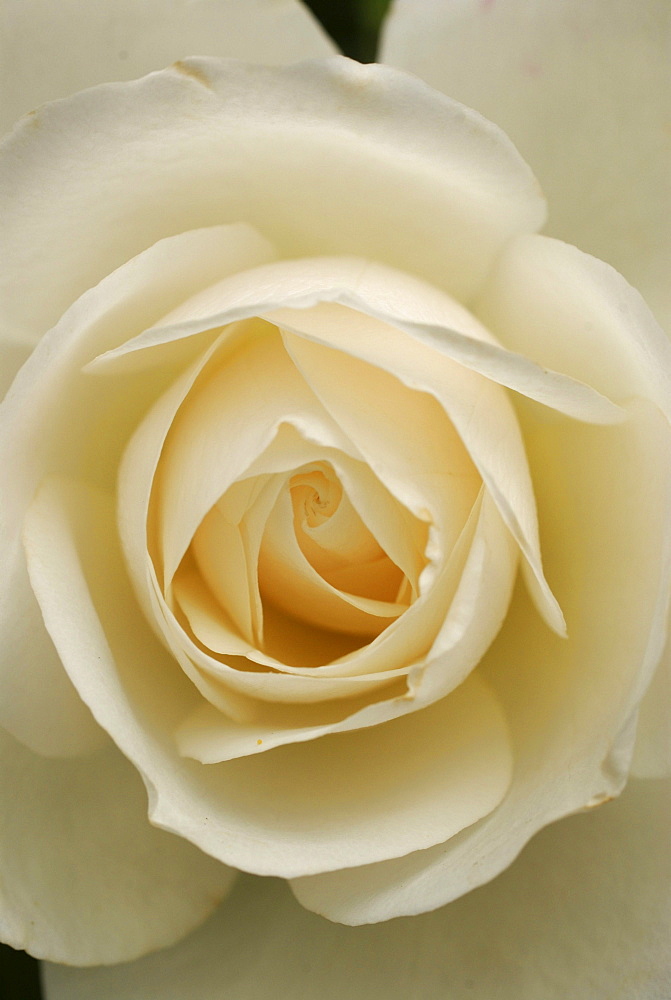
545, 73
39, 705
483, 583
364, 401
570, 703
195, 145
652, 754
14, 352
287, 451
398, 533
291, 583
430, 774
397, 298
40, 434
584, 912
204, 616
221, 427
405, 437
134, 39
192, 658
371, 290
61, 900
346, 778
575, 314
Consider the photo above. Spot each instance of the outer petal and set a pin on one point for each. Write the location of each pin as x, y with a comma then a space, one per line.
652, 755
299, 809
310, 153
52, 50
585, 912
571, 702
85, 878
38, 705
574, 313
584, 90
596, 526
13, 353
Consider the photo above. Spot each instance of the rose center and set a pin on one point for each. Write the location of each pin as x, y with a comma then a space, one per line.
335, 540
315, 495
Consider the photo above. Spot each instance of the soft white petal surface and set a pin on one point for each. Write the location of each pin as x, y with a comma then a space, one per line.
51, 50
575, 314
391, 296
367, 403
39, 705
287, 451
652, 755
197, 145
475, 615
40, 435
571, 702
222, 426
85, 878
13, 353
585, 913
332, 792
583, 88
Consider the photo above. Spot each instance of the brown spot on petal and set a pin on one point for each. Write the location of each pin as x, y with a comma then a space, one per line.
599, 800
197, 74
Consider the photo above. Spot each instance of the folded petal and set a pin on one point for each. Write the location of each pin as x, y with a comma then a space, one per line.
222, 426
13, 353
196, 145
300, 808
397, 298
483, 585
129, 40
41, 434
584, 912
652, 754
103, 885
584, 91
381, 327
365, 402
570, 703
575, 314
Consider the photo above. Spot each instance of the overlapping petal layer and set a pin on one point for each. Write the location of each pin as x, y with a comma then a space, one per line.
196, 145
224, 808
596, 524
58, 900
277, 490
54, 420
592, 885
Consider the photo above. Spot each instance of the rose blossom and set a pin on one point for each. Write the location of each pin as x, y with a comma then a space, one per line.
293, 347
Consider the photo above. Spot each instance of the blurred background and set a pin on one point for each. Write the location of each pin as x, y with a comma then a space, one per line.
354, 25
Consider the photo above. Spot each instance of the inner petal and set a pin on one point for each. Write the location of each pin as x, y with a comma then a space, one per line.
289, 581
316, 495
222, 566
336, 542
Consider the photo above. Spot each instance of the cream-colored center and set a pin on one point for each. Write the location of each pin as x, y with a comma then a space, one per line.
315, 495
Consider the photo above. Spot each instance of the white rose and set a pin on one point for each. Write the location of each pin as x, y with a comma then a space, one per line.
280, 314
